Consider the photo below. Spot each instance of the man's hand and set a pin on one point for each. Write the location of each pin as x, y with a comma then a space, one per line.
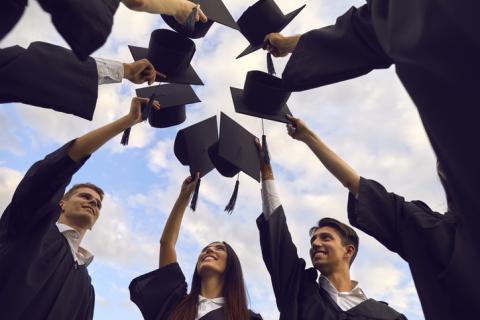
278, 45
140, 71
298, 129
183, 10
135, 114
265, 169
188, 186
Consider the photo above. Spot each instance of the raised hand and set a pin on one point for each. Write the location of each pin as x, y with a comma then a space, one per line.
298, 129
188, 185
184, 9
135, 114
279, 45
140, 71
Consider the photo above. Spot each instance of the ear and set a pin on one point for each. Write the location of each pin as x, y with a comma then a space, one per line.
61, 204
349, 250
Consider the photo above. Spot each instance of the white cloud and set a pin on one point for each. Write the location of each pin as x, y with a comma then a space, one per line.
9, 179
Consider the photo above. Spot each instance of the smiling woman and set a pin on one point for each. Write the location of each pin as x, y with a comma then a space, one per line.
218, 289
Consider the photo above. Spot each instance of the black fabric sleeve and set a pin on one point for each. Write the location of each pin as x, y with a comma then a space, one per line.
335, 53
158, 292
281, 259
38, 195
49, 76
93, 17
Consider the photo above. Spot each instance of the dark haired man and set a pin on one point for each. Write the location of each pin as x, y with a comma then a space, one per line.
43, 272
440, 249
334, 246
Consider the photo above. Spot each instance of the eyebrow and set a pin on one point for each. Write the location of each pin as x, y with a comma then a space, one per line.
98, 202
218, 245
320, 234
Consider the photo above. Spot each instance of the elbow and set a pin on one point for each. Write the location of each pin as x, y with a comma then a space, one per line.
352, 185
136, 5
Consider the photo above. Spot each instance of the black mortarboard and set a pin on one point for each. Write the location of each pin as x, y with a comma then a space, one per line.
260, 19
262, 96
235, 151
215, 10
170, 53
191, 149
173, 98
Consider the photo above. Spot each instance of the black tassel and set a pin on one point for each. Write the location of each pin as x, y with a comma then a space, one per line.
190, 23
146, 109
125, 136
193, 203
266, 153
231, 204
270, 66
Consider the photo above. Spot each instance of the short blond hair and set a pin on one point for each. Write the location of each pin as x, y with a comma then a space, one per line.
88, 185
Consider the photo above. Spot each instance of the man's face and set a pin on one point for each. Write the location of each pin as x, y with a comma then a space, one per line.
82, 208
327, 251
213, 258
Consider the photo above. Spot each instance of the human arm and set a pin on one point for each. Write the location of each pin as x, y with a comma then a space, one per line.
170, 233
179, 9
335, 53
340, 169
279, 45
110, 71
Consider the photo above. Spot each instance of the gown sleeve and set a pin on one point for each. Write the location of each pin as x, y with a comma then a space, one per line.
335, 53
49, 76
38, 195
158, 292
281, 258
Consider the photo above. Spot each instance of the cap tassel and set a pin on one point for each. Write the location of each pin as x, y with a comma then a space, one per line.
190, 23
146, 109
193, 203
231, 204
266, 153
270, 66
125, 136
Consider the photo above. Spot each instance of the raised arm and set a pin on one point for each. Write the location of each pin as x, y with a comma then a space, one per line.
180, 9
168, 241
336, 165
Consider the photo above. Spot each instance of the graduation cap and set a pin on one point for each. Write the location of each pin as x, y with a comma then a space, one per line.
215, 10
170, 53
191, 149
235, 151
261, 19
173, 98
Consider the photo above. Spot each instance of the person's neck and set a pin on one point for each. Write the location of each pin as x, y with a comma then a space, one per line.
340, 279
212, 286
82, 231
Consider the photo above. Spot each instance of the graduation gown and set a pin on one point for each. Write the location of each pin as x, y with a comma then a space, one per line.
298, 294
441, 252
39, 278
85, 25
434, 45
49, 76
157, 293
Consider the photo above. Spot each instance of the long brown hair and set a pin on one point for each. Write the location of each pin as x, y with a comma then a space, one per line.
235, 307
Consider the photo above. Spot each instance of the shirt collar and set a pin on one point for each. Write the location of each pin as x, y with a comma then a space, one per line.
330, 288
219, 301
74, 237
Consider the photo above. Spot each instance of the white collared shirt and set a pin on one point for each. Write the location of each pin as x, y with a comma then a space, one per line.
109, 71
206, 305
80, 255
345, 300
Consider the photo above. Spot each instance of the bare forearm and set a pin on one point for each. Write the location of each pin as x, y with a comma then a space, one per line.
168, 7
171, 231
92, 141
336, 165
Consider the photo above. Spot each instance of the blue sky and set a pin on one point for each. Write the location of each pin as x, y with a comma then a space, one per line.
369, 121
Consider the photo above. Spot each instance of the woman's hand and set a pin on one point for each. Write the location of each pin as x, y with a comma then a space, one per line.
188, 186
135, 114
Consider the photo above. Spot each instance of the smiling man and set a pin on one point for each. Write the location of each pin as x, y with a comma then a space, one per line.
334, 246
43, 272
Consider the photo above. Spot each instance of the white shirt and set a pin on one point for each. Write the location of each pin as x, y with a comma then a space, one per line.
345, 300
206, 305
80, 255
270, 199
109, 71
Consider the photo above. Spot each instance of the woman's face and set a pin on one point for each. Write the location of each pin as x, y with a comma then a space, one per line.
213, 258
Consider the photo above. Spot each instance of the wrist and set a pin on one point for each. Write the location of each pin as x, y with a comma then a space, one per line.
184, 196
127, 71
266, 172
291, 43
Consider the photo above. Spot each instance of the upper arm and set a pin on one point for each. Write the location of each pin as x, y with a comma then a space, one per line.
168, 254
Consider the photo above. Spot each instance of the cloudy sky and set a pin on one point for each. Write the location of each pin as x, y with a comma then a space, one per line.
370, 122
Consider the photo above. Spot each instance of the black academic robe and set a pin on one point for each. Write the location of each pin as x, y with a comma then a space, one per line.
434, 45
157, 293
442, 254
39, 278
85, 25
298, 294
49, 76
